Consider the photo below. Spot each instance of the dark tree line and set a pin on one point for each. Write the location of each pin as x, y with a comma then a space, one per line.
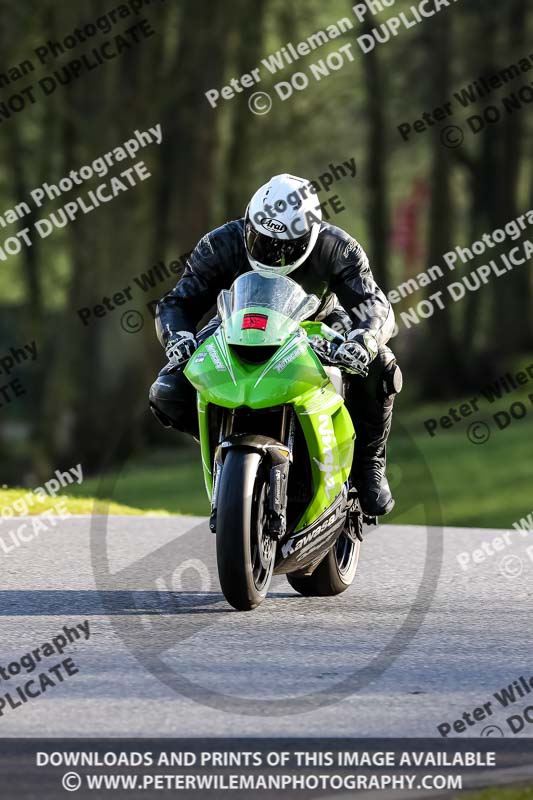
92, 378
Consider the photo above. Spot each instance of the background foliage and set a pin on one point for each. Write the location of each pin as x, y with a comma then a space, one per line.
89, 384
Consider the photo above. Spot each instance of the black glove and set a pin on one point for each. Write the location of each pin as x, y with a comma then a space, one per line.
180, 348
323, 348
357, 353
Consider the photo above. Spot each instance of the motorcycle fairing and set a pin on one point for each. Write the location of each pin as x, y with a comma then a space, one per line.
289, 377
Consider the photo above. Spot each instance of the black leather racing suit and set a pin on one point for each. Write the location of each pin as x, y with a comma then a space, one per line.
337, 266
337, 272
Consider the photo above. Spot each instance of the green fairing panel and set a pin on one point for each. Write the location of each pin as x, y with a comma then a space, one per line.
289, 377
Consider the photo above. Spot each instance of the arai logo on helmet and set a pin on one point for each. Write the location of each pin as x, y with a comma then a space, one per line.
273, 225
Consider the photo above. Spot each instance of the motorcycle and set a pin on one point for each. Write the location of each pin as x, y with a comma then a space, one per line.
277, 445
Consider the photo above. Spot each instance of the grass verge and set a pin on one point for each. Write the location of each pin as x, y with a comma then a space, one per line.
500, 793
486, 485
22, 501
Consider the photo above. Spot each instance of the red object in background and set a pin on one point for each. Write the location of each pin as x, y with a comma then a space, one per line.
255, 321
405, 231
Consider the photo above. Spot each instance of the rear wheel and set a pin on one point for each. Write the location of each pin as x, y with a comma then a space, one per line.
245, 552
334, 574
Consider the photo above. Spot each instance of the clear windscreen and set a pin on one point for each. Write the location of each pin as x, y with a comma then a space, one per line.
280, 294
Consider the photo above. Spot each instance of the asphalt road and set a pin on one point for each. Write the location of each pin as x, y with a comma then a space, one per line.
416, 642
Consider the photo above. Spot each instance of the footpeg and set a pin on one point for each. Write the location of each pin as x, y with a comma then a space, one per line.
353, 527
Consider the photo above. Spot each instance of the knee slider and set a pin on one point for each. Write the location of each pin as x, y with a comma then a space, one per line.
160, 417
391, 381
166, 401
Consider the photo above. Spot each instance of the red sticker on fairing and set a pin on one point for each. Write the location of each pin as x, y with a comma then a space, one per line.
256, 321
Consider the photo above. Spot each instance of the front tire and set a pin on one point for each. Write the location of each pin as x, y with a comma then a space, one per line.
334, 574
245, 553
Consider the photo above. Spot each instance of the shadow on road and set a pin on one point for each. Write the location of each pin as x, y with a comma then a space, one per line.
89, 602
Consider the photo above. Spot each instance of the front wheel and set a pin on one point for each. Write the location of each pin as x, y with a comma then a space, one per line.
334, 574
245, 552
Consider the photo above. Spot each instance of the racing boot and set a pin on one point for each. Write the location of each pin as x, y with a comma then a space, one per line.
370, 461
371, 404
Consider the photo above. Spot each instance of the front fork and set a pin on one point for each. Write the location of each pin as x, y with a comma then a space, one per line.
277, 454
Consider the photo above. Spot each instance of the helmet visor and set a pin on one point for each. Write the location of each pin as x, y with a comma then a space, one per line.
274, 252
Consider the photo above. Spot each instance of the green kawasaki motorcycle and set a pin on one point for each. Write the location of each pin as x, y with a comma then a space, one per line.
277, 445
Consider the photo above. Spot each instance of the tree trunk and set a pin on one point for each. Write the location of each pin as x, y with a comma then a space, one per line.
440, 366
376, 178
240, 153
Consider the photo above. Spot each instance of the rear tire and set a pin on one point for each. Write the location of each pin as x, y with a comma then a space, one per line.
245, 555
334, 574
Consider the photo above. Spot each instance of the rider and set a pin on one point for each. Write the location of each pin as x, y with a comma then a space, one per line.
283, 233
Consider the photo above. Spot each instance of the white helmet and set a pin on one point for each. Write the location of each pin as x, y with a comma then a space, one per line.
281, 225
